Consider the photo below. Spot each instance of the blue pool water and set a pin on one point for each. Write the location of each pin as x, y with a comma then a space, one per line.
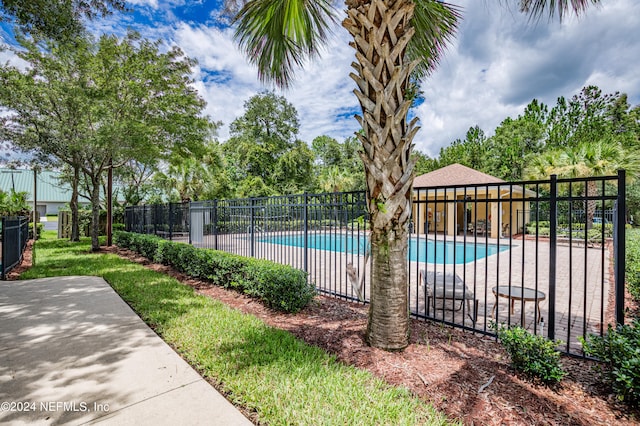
419, 250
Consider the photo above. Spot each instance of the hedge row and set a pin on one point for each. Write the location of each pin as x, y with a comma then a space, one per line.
633, 263
593, 235
278, 286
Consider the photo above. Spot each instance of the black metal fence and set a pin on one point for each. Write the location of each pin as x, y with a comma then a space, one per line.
477, 254
14, 235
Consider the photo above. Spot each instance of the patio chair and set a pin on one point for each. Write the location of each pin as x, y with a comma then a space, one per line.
449, 287
470, 228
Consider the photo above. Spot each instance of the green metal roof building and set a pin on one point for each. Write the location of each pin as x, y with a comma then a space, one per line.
52, 193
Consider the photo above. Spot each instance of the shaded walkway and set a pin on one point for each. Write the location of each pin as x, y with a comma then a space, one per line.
73, 352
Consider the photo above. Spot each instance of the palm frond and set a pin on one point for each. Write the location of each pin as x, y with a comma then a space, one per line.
537, 8
435, 23
279, 35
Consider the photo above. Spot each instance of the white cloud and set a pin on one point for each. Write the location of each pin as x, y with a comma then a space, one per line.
223, 77
7, 56
150, 3
501, 61
321, 92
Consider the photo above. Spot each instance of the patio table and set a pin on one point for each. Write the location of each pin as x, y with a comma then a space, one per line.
513, 293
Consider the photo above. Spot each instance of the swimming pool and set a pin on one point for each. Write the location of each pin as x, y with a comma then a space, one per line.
419, 250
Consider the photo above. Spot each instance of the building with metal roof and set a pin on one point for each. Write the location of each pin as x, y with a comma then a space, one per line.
53, 193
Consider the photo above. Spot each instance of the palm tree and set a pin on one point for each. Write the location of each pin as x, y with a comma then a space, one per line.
13, 203
335, 179
185, 177
587, 159
396, 42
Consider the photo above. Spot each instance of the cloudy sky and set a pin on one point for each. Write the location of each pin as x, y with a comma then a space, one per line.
498, 63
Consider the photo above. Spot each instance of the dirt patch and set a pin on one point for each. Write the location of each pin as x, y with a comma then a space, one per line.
464, 375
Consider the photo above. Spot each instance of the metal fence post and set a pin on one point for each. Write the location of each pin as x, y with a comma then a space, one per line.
153, 217
553, 241
4, 249
305, 217
170, 210
215, 224
19, 232
253, 227
620, 245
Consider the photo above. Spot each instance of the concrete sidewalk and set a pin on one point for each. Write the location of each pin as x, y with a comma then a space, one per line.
72, 352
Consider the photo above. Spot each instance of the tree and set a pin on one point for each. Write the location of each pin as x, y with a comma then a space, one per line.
55, 19
183, 178
514, 141
601, 158
335, 179
337, 165
46, 109
424, 163
327, 151
264, 148
217, 183
396, 41
99, 105
470, 152
590, 115
135, 180
145, 109
293, 172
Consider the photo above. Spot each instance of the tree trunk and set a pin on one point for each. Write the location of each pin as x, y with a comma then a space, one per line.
381, 31
388, 326
590, 190
95, 213
75, 216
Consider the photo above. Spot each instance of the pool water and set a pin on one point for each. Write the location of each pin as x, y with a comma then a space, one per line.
419, 250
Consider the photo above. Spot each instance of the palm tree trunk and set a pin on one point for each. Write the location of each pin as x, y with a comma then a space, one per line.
590, 190
381, 31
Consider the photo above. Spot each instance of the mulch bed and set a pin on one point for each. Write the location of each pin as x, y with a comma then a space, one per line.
464, 375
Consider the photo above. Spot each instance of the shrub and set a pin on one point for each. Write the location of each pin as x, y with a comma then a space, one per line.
541, 224
534, 356
542, 232
278, 286
272, 284
146, 245
619, 349
633, 263
39, 229
122, 238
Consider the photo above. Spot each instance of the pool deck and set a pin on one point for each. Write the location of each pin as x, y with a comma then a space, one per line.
583, 281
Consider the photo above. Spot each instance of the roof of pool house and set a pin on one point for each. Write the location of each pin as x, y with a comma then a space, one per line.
454, 174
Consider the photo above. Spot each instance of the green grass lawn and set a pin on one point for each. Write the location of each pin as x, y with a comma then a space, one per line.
267, 370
